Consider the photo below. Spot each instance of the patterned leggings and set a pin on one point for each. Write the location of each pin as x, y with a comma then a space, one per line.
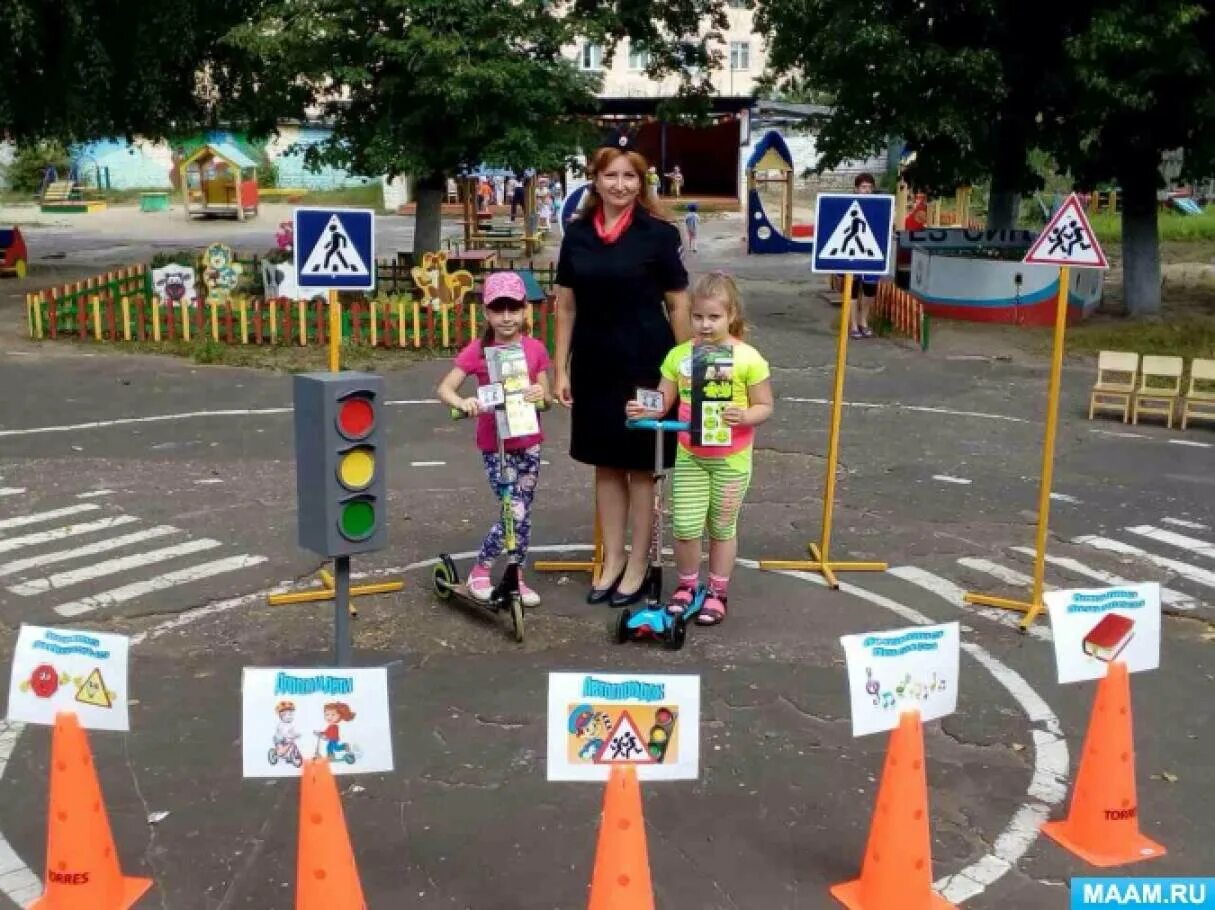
526, 465
708, 491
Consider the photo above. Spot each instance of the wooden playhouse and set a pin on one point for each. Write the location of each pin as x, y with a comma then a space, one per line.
219, 180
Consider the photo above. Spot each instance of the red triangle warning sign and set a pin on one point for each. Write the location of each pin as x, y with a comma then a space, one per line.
1068, 240
625, 746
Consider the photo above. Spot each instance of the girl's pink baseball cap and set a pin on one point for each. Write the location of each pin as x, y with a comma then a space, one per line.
504, 286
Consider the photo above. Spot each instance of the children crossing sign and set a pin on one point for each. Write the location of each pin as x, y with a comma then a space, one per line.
852, 233
1068, 240
335, 249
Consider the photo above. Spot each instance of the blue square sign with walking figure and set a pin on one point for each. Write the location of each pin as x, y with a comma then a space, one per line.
853, 233
335, 249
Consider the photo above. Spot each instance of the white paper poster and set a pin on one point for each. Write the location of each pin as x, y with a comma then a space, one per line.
70, 670
1094, 626
597, 720
912, 669
291, 715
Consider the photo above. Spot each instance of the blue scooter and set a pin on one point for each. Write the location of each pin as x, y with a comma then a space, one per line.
654, 620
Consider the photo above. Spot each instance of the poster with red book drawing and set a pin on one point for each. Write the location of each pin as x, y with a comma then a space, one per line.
1093, 627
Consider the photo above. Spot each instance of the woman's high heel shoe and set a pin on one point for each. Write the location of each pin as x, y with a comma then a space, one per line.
603, 595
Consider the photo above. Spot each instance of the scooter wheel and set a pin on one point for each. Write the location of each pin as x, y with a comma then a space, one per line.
297, 760
445, 576
273, 756
349, 758
676, 633
516, 616
623, 632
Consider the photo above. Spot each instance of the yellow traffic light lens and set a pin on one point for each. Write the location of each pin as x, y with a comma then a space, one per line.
356, 469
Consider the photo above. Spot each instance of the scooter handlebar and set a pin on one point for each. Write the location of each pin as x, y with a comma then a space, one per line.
649, 423
457, 414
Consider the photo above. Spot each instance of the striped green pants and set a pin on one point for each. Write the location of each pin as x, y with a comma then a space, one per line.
708, 492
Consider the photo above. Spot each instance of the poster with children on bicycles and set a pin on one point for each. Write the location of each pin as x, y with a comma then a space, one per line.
292, 715
598, 720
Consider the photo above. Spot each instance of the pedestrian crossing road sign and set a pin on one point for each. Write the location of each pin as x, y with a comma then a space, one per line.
335, 249
853, 233
1068, 240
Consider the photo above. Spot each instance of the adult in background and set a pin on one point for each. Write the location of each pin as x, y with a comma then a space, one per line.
622, 303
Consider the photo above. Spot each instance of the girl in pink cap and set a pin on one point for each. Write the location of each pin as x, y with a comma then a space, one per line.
505, 303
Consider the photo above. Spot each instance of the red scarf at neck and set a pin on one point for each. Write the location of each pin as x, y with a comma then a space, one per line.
622, 223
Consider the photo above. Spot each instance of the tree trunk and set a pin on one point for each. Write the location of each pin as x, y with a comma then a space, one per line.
428, 220
1004, 198
1140, 236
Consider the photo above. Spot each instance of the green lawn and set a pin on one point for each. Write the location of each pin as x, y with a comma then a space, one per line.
1173, 227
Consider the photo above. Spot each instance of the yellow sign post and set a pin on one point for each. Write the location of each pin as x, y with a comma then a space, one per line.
820, 553
1068, 242
1035, 604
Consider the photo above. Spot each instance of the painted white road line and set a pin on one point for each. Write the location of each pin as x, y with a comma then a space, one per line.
111, 567
426, 464
40, 537
1170, 597
997, 571
11, 491
34, 518
101, 546
1121, 435
1183, 523
954, 595
1190, 442
896, 406
1063, 497
158, 583
94, 494
397, 402
947, 478
152, 418
1173, 539
1184, 569
208, 480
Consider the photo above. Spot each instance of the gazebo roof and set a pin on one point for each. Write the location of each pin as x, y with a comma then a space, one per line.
225, 150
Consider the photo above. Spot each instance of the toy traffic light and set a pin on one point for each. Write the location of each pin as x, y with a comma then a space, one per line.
340, 463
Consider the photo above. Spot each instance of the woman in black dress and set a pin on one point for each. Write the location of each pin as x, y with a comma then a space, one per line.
622, 304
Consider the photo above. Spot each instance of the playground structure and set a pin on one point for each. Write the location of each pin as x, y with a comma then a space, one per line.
219, 180
481, 233
72, 194
771, 164
14, 257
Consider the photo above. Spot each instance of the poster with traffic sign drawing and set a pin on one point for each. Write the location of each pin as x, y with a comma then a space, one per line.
913, 669
1092, 627
291, 715
597, 720
70, 670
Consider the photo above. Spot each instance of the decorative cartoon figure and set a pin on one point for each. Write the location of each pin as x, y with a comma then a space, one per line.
174, 283
591, 725
285, 736
335, 750
439, 287
222, 272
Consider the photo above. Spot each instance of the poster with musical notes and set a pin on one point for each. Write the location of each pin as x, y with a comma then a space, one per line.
913, 669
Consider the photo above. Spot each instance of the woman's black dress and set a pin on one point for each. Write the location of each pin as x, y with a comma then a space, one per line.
621, 333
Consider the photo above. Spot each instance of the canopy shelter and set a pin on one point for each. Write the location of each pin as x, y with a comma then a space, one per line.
221, 180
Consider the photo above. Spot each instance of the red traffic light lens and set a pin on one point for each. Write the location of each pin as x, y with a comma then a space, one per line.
355, 418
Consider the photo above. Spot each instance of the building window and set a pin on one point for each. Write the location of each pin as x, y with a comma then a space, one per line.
592, 56
639, 58
740, 55
739, 4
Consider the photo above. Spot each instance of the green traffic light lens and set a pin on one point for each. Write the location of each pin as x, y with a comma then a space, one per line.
357, 520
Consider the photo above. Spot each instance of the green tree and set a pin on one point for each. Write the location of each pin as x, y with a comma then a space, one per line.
1144, 84
76, 70
428, 87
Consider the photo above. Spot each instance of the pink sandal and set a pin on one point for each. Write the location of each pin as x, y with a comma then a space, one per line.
713, 611
681, 600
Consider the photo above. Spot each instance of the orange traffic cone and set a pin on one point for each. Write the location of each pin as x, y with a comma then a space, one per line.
897, 870
1102, 825
621, 879
327, 877
81, 864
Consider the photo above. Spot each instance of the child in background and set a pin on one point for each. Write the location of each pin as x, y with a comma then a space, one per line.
505, 298
691, 221
709, 482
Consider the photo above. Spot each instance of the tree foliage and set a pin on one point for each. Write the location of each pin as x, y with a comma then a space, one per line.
77, 70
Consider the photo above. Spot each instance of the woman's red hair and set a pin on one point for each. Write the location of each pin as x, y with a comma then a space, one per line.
600, 161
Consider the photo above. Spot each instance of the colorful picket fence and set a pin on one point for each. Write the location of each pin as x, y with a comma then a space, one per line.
119, 306
900, 312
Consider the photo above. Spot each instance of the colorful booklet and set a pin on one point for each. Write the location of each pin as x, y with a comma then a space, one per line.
508, 365
712, 393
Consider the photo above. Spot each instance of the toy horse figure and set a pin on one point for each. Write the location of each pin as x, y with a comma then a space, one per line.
439, 287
